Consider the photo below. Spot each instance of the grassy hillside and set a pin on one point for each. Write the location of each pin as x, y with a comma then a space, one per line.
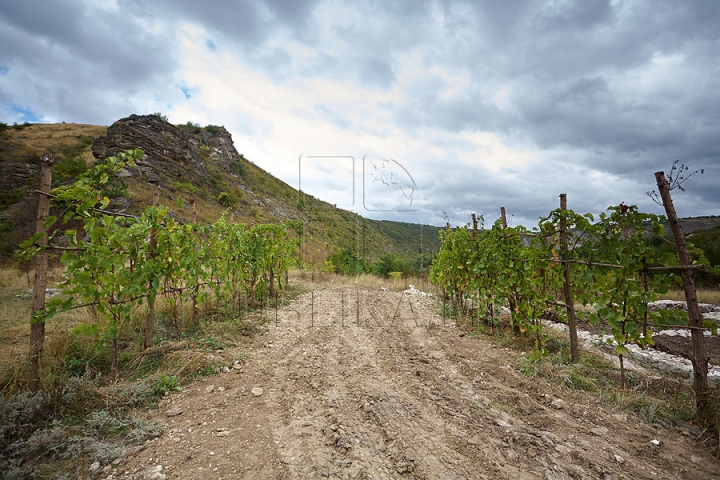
238, 186
27, 143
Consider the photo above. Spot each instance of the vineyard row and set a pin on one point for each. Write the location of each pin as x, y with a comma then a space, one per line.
572, 267
117, 263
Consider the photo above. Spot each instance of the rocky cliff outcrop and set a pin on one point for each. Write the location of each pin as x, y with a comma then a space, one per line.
169, 150
15, 175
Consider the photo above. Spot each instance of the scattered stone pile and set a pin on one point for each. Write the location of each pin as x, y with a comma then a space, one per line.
414, 291
676, 305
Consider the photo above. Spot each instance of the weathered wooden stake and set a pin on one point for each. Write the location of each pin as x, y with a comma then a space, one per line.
511, 300
37, 327
196, 288
150, 318
569, 303
699, 360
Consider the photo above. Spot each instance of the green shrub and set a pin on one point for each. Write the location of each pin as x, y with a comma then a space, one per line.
20, 414
190, 127
387, 263
166, 384
69, 169
11, 197
85, 141
237, 168
224, 199
184, 187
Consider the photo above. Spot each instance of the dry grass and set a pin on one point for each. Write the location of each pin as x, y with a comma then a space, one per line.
141, 193
315, 279
15, 307
45, 136
705, 295
12, 280
34, 140
15, 322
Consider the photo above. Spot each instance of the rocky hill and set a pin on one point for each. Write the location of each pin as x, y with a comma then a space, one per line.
199, 163
190, 162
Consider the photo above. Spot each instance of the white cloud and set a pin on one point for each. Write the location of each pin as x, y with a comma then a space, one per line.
484, 105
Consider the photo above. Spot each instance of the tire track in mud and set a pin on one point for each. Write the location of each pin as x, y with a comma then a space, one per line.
383, 398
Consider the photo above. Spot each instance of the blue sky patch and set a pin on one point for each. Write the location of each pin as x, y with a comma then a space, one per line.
4, 70
23, 114
210, 44
187, 91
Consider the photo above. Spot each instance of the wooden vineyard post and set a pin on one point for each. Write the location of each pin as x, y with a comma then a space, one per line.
569, 303
195, 288
511, 300
150, 318
37, 326
699, 358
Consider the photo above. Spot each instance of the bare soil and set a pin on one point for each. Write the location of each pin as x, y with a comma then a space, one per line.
396, 392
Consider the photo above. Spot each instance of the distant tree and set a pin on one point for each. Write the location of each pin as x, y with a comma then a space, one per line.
709, 242
346, 262
387, 263
68, 169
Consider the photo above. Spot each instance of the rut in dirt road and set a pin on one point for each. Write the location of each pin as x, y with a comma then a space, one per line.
395, 393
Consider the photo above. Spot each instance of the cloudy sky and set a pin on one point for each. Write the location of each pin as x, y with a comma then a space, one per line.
404, 110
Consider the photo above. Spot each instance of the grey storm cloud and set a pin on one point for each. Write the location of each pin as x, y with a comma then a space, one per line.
69, 61
610, 86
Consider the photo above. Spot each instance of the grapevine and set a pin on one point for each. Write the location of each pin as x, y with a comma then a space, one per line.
116, 262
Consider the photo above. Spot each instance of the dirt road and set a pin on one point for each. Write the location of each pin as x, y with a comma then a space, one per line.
399, 395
